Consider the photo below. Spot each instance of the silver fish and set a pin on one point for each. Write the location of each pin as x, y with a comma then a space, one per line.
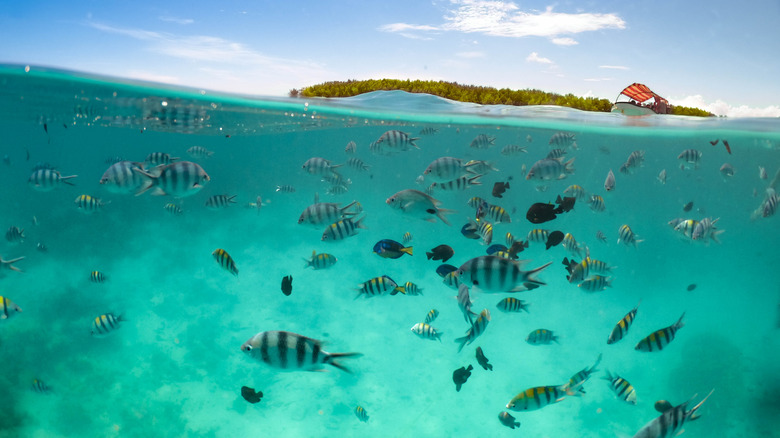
291, 351
179, 179
497, 274
609, 183
417, 204
120, 177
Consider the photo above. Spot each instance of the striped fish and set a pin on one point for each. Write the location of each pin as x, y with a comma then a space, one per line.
97, 277
496, 214
622, 389
576, 381
509, 239
482, 141
689, 158
323, 213
634, 161
351, 147
40, 386
452, 280
378, 286
358, 164
431, 316
511, 150
464, 303
563, 140
87, 204
484, 229
319, 166
44, 180
220, 201
395, 141
621, 328
156, 158
477, 328
444, 169
769, 206
361, 414
223, 259
601, 237
480, 167
179, 179
407, 237
320, 261
285, 188
199, 152
476, 202
627, 236
497, 274
342, 229
670, 423
121, 178
536, 398
586, 267
575, 190
538, 235
173, 209
659, 339
9, 308
14, 234
572, 246
555, 154
290, 351
512, 304
459, 184
595, 283
596, 203
412, 289
105, 324
425, 331
428, 130
541, 337
548, 169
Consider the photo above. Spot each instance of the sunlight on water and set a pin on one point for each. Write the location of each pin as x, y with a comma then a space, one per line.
175, 365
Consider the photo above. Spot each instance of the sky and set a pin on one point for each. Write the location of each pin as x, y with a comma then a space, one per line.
722, 56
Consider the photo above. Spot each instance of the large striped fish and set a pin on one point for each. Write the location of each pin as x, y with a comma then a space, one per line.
324, 213
621, 328
536, 398
660, 338
477, 328
179, 179
120, 177
497, 274
671, 422
290, 351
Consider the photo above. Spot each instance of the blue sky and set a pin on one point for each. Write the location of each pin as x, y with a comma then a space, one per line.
719, 55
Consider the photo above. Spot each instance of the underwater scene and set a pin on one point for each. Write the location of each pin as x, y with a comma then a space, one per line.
180, 262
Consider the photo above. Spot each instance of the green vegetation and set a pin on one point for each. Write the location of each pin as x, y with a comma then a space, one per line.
468, 93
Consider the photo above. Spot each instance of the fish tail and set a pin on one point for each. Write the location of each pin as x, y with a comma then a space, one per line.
333, 356
360, 224
65, 179
440, 212
429, 255
530, 275
679, 324
693, 410
409, 250
149, 181
568, 166
463, 341
398, 289
308, 263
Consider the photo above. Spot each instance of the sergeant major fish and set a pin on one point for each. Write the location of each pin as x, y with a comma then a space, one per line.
46, 179
497, 274
179, 179
425, 331
342, 229
536, 398
477, 328
9, 308
622, 389
320, 261
225, 261
659, 339
105, 324
290, 351
621, 328
671, 422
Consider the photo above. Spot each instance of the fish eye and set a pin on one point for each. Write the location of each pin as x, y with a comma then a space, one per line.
247, 348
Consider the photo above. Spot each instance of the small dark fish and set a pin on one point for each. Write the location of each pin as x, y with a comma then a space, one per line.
517, 247
687, 207
45, 128
662, 405
691, 287
499, 188
28, 155
460, 376
287, 285
441, 252
483, 361
565, 204
251, 395
554, 239
540, 213
470, 231
570, 264
508, 420
390, 249
496, 248
728, 148
714, 142
445, 269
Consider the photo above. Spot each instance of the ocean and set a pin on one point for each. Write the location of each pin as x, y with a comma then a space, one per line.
174, 366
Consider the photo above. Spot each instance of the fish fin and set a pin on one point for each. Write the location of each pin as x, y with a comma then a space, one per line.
440, 212
530, 275
359, 223
65, 179
333, 356
408, 250
463, 341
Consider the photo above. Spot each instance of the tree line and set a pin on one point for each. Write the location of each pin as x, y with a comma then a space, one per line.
470, 93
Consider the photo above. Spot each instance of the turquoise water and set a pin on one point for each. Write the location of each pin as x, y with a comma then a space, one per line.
175, 368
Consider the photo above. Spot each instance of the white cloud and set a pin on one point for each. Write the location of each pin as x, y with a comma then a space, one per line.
534, 57
721, 108
564, 41
403, 27
614, 67
154, 77
177, 20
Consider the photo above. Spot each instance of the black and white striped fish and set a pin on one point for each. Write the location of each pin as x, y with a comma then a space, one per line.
497, 274
40, 386
445, 169
9, 308
464, 302
596, 283
44, 180
549, 169
563, 140
225, 261
659, 339
342, 229
319, 166
627, 236
378, 286
179, 179
173, 209
97, 277
156, 158
358, 164
671, 422
394, 141
412, 289
105, 324
621, 387
431, 316
120, 177
285, 188
596, 203
541, 337
199, 152
290, 351
425, 331
14, 234
576, 381
321, 213
320, 261
689, 158
621, 328
88, 204
511, 150
477, 328
459, 184
217, 202
482, 141
351, 147
361, 414
512, 304
634, 161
